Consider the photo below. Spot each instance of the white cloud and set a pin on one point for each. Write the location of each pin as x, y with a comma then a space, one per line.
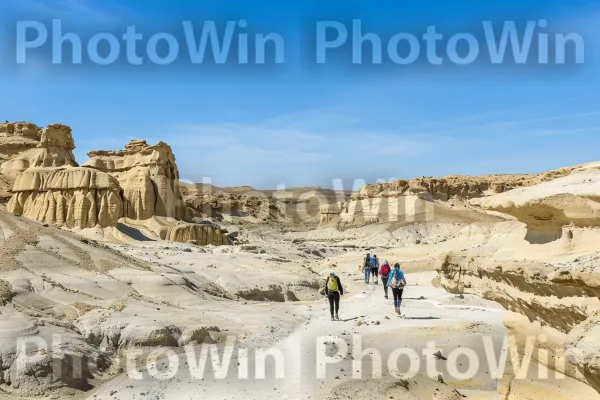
266, 154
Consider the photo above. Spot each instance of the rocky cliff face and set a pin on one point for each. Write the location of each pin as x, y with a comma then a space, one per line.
563, 300
411, 200
135, 188
67, 197
460, 185
222, 205
545, 208
148, 176
557, 290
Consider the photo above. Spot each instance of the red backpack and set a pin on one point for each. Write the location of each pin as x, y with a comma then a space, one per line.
385, 270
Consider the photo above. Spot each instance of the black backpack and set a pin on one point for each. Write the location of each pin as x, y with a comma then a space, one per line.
367, 263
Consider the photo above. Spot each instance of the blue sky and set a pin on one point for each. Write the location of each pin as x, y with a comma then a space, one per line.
297, 125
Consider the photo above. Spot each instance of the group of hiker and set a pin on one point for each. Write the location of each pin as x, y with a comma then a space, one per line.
390, 278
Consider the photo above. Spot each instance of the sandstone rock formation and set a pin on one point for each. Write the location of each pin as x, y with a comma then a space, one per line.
148, 176
582, 349
561, 300
330, 213
413, 200
231, 205
67, 197
545, 208
23, 129
200, 234
18, 140
54, 149
137, 186
248, 205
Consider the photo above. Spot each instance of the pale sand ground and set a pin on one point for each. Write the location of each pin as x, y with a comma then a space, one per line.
296, 325
449, 321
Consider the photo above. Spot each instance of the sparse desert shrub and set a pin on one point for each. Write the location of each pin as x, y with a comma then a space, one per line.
5, 292
82, 308
117, 306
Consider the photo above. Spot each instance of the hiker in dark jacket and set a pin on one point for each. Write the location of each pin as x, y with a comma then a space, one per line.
333, 291
367, 267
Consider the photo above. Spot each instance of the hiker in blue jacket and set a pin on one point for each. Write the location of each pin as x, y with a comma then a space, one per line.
374, 269
397, 282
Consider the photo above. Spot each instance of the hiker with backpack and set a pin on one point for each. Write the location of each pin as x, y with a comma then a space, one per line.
384, 271
375, 269
333, 291
397, 282
367, 268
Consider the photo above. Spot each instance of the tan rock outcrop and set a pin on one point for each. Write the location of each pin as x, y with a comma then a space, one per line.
15, 139
200, 234
412, 200
20, 129
561, 300
136, 187
54, 148
69, 197
545, 208
263, 209
582, 349
330, 213
148, 176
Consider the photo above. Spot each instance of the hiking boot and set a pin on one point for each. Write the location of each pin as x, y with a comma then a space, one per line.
337, 318
386, 296
333, 319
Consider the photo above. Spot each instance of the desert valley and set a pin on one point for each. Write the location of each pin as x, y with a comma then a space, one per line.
114, 275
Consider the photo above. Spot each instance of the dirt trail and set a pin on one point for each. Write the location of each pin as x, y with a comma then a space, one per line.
365, 315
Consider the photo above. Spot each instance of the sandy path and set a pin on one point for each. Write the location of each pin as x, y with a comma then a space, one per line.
431, 315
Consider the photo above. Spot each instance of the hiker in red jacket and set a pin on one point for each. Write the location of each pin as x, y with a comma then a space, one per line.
384, 272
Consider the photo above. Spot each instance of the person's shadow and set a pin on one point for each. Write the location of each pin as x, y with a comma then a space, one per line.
352, 319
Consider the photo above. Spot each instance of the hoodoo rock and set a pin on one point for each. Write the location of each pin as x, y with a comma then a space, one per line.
24, 145
148, 176
135, 188
54, 148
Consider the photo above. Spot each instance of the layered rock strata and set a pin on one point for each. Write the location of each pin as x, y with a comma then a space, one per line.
54, 149
560, 299
67, 197
136, 187
148, 176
